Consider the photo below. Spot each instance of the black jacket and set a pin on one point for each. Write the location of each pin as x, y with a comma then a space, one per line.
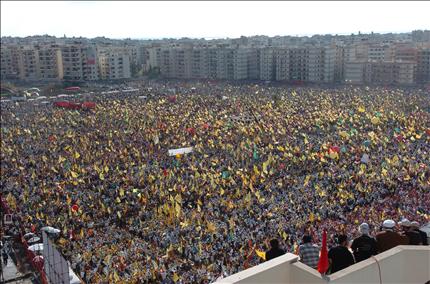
364, 247
274, 252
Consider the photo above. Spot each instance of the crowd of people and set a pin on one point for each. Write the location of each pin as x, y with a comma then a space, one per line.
267, 162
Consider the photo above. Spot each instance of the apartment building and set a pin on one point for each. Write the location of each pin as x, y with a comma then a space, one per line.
380, 52
394, 72
89, 63
154, 56
72, 62
253, 60
329, 65
267, 64
421, 36
28, 63
181, 63
355, 72
405, 72
298, 68
375, 58
357, 51
114, 64
200, 63
315, 64
240, 64
9, 62
143, 57
339, 68
50, 63
225, 65
423, 65
79, 62
213, 62
282, 62
165, 60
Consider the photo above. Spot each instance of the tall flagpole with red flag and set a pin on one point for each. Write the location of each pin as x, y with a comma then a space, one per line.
323, 261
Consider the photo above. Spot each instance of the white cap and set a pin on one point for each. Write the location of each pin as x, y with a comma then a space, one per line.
388, 224
415, 224
405, 222
364, 228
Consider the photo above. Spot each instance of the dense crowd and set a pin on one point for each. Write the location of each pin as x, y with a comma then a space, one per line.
267, 162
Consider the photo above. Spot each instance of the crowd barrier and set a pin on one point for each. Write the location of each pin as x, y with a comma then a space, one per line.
30, 255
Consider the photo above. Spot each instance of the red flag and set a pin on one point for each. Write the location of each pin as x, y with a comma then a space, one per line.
323, 261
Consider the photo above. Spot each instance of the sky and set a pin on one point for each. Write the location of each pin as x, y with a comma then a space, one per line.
211, 19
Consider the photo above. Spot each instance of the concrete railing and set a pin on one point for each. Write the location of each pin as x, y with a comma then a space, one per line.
402, 264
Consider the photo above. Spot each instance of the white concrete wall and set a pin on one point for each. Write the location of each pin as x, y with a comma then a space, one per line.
400, 265
273, 271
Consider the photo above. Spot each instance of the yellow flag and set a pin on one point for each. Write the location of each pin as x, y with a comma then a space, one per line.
77, 155
375, 120
62, 241
115, 276
184, 224
178, 209
306, 141
101, 176
61, 159
308, 177
312, 217
334, 155
175, 277
211, 227
261, 254
178, 198
265, 167
343, 134
231, 222
284, 235
256, 170
73, 174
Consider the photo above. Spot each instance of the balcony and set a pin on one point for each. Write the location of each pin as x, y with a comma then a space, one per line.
402, 264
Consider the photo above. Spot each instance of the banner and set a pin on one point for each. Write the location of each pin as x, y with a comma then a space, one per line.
180, 151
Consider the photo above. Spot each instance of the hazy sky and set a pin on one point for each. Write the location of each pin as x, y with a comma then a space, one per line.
209, 19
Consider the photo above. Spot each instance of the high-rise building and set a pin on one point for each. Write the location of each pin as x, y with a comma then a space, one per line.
114, 64
423, 65
28, 63
79, 62
9, 62
282, 62
50, 63
267, 64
